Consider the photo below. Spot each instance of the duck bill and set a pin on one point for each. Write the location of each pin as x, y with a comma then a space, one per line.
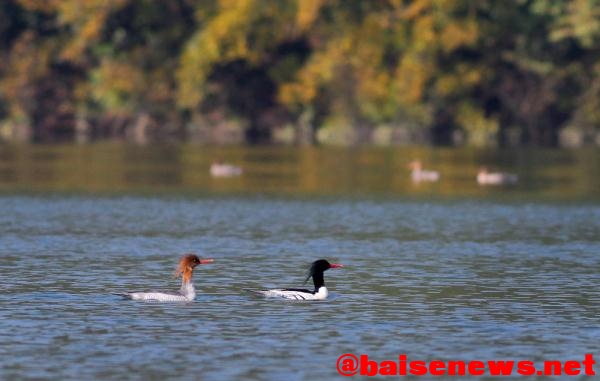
206, 261
336, 265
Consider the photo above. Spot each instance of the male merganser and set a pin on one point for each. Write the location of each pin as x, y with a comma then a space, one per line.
485, 177
419, 174
222, 169
316, 272
187, 292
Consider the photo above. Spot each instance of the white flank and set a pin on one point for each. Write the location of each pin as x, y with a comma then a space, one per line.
321, 294
486, 178
159, 297
224, 170
187, 293
422, 175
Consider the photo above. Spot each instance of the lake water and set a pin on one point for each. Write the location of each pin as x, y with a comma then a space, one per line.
447, 271
364, 172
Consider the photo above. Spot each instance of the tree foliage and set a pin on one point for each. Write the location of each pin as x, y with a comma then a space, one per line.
493, 72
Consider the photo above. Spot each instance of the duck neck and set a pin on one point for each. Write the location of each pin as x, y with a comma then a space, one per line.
187, 289
318, 280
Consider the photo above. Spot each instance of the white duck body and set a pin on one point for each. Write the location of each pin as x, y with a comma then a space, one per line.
484, 177
418, 174
225, 170
187, 293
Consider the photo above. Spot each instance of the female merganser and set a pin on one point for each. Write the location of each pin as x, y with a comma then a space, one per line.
222, 169
485, 177
419, 174
187, 292
316, 272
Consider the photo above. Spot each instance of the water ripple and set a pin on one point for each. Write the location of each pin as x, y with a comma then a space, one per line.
433, 280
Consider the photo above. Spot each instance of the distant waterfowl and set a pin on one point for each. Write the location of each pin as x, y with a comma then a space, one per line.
485, 177
419, 174
187, 292
320, 292
221, 169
